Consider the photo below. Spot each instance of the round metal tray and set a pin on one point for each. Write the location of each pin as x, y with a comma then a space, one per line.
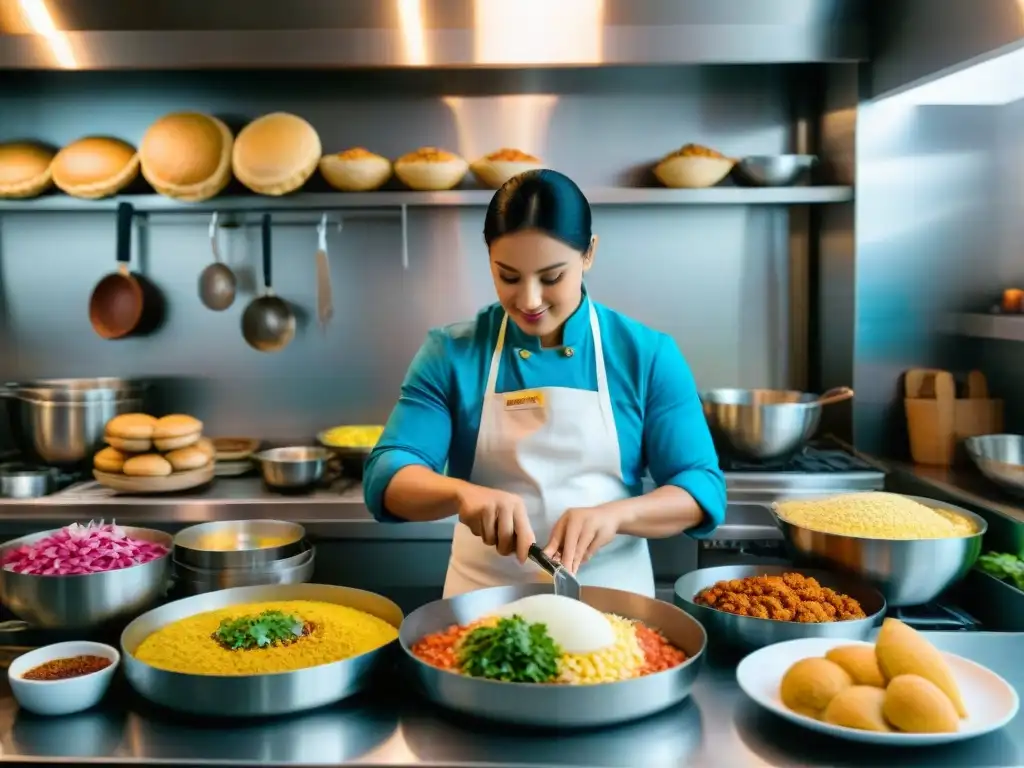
188, 543
556, 706
748, 633
256, 695
905, 571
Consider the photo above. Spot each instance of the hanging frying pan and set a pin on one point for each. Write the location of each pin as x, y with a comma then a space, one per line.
268, 323
123, 303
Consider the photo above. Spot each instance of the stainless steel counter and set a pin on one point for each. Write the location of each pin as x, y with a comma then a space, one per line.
718, 727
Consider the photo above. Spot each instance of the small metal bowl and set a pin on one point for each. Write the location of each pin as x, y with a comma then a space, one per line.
293, 467
190, 550
747, 633
774, 170
1000, 458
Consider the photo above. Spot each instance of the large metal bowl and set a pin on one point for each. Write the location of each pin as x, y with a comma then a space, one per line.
905, 571
761, 424
774, 170
189, 543
256, 695
748, 633
560, 706
91, 600
1000, 458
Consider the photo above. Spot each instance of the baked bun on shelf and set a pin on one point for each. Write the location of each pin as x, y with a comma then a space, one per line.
95, 167
187, 156
24, 170
355, 170
276, 154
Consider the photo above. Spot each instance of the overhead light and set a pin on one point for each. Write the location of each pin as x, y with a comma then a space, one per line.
992, 79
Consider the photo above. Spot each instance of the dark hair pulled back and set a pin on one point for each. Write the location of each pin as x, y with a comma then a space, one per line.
545, 200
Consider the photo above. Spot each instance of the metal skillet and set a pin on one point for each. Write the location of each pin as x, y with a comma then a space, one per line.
546, 705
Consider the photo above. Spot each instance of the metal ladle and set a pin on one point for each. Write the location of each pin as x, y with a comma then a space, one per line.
217, 282
268, 323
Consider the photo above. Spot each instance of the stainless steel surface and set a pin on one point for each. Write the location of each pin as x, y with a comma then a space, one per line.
565, 583
461, 198
75, 602
716, 728
438, 33
775, 170
292, 467
905, 571
199, 363
74, 390
761, 423
256, 695
192, 545
559, 706
747, 633
1000, 458
293, 570
21, 481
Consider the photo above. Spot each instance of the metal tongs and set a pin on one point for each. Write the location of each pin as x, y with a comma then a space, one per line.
566, 584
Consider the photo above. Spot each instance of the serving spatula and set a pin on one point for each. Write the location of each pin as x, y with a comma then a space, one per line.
566, 584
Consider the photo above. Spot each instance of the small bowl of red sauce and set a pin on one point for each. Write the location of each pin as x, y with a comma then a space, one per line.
63, 678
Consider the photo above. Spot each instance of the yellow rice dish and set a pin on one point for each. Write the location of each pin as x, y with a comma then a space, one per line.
334, 632
621, 661
875, 515
353, 436
231, 542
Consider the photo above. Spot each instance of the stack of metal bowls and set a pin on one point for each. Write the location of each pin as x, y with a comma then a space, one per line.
241, 553
89, 600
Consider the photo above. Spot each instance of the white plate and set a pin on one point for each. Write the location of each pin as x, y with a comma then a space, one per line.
991, 702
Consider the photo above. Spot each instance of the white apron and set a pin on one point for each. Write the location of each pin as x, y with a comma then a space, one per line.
556, 448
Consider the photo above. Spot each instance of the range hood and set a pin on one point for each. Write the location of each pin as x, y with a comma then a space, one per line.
275, 34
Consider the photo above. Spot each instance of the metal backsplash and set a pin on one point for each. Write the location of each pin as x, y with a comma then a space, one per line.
714, 277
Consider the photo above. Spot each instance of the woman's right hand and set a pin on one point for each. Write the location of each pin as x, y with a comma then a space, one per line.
497, 517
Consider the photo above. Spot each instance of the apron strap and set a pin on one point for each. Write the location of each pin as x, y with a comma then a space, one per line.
603, 393
492, 372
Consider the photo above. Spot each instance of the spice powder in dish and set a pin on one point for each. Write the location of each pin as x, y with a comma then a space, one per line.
335, 633
65, 669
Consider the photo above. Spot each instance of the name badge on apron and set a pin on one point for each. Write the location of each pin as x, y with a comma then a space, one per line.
524, 400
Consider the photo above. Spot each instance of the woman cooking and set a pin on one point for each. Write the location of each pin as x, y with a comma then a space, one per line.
548, 408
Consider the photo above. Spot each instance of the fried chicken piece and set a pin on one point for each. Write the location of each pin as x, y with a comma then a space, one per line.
790, 597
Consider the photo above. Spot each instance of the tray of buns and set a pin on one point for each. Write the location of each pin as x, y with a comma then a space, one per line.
145, 454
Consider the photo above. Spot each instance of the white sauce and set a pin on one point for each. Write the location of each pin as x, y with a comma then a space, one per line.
573, 625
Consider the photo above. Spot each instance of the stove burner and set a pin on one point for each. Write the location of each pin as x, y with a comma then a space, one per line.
808, 460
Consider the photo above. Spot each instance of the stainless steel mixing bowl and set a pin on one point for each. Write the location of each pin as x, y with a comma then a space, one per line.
764, 424
905, 571
774, 170
256, 695
191, 545
292, 570
91, 600
61, 421
292, 467
557, 706
1000, 458
748, 633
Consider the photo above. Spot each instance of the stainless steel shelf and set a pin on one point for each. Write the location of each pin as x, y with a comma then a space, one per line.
604, 196
985, 326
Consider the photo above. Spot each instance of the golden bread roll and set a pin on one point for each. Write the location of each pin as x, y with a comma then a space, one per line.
355, 170
147, 465
127, 445
176, 431
131, 426
430, 169
109, 460
498, 167
185, 459
187, 156
24, 170
95, 167
276, 154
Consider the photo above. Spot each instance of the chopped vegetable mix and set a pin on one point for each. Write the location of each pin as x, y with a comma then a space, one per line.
512, 651
77, 550
1003, 566
265, 630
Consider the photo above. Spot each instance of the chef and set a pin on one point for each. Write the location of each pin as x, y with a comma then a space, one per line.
536, 421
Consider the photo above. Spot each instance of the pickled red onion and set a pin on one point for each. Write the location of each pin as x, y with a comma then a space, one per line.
76, 550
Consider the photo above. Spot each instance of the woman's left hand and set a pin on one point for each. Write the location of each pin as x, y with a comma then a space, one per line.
580, 532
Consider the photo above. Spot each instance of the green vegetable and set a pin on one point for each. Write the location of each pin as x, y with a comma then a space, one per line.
513, 651
1003, 566
268, 629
